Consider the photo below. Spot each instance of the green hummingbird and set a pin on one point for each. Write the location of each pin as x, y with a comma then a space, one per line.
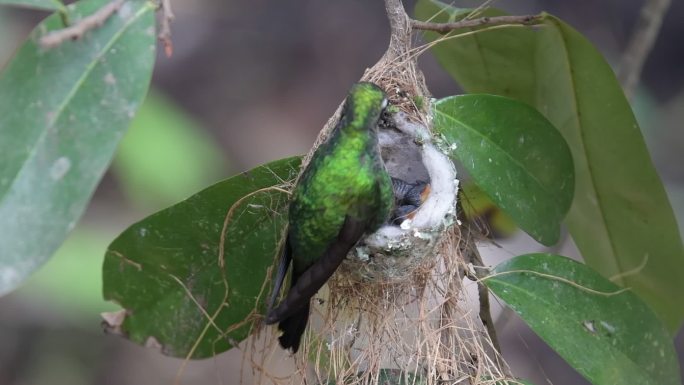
344, 193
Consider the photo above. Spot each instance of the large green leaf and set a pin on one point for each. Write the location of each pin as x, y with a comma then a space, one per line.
620, 219
196, 273
514, 154
50, 5
165, 156
609, 336
62, 112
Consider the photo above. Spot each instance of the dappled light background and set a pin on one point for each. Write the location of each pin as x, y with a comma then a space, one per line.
254, 81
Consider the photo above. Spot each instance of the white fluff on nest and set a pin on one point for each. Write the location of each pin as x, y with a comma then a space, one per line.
412, 160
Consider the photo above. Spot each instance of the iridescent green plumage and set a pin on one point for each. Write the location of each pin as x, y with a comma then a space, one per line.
344, 192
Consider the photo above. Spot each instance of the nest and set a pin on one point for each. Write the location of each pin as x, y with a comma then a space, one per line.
395, 312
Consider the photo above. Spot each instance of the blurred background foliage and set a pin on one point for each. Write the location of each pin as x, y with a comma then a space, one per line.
165, 156
254, 81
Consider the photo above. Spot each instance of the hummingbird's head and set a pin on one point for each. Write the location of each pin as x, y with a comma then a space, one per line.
365, 103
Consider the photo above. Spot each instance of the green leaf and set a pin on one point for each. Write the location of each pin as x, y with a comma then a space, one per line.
168, 272
620, 219
165, 156
49, 5
609, 336
514, 154
62, 112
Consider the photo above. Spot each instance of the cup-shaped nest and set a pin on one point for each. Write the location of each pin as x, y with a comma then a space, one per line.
394, 251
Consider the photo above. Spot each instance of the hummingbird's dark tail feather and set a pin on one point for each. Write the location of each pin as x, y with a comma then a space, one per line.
304, 285
283, 265
293, 312
293, 327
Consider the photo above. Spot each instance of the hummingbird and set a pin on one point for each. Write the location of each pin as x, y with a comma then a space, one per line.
344, 193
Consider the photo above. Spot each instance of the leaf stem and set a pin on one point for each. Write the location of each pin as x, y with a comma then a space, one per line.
63, 12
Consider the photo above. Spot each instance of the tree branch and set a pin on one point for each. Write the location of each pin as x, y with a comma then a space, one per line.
400, 27
641, 43
76, 31
488, 21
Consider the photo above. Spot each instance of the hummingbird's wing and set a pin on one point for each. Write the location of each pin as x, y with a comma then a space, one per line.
283, 265
313, 278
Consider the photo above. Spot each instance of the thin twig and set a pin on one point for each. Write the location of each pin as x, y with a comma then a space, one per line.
483, 294
165, 27
469, 23
641, 43
473, 256
76, 31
